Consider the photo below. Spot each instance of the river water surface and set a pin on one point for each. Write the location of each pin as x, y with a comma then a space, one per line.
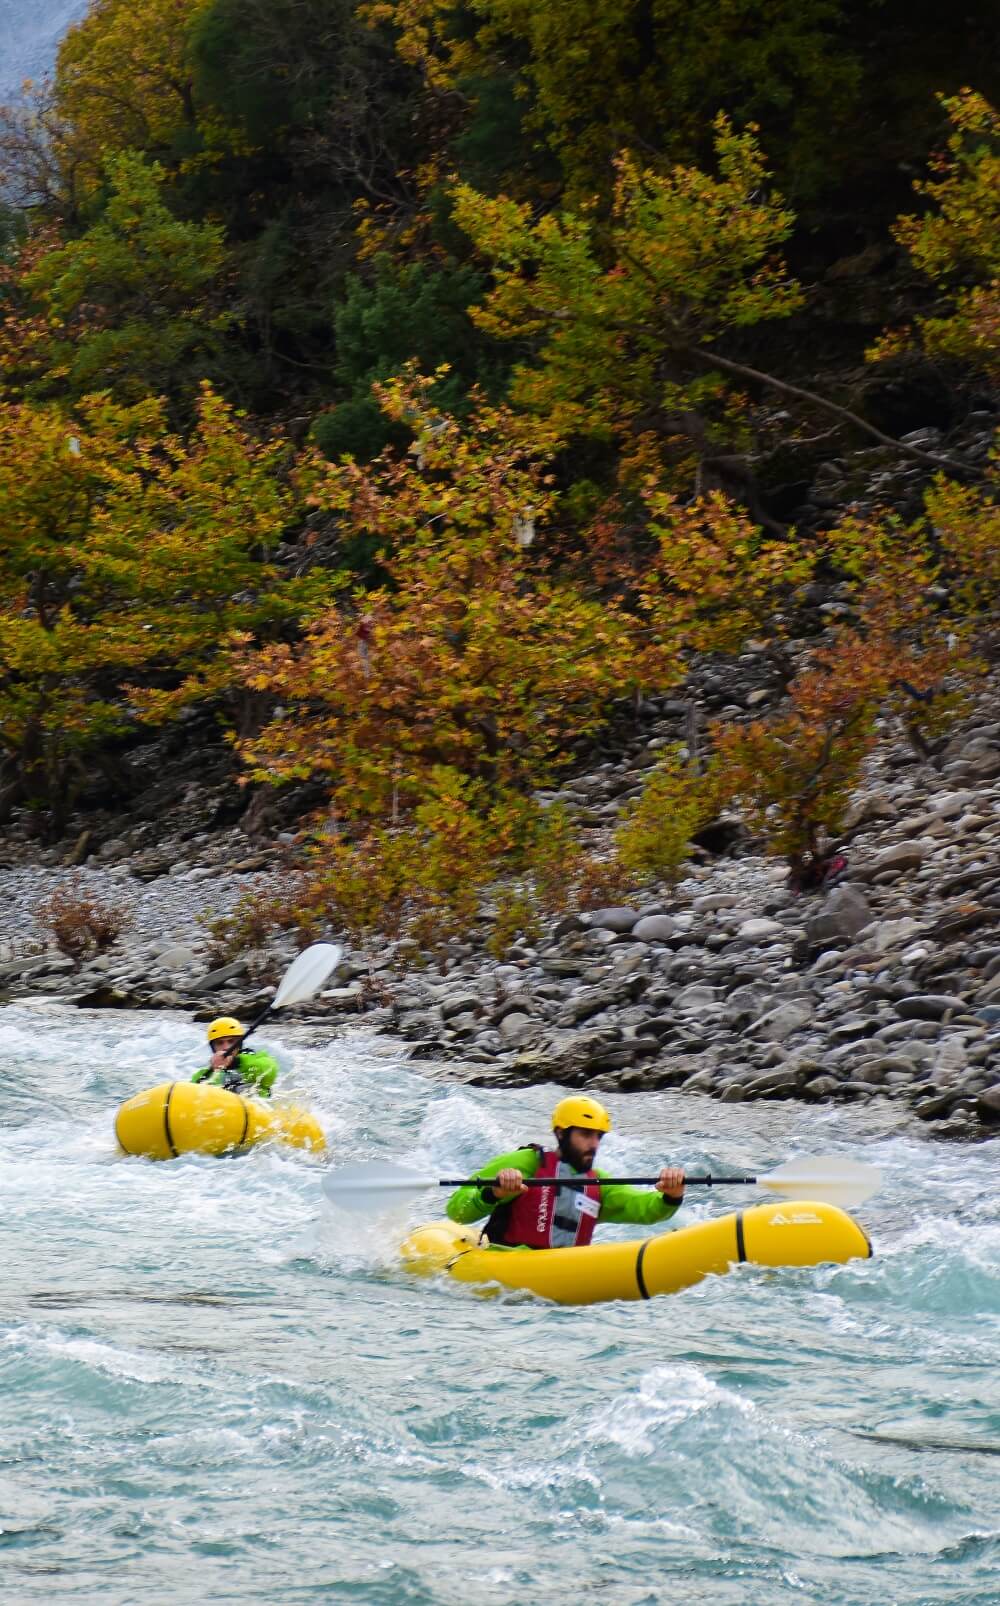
214, 1387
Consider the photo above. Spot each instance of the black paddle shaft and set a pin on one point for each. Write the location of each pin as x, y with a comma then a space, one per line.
584, 1182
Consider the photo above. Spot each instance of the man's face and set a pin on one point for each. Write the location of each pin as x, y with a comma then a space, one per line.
580, 1144
224, 1045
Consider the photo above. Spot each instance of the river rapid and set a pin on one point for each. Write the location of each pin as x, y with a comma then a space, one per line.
215, 1387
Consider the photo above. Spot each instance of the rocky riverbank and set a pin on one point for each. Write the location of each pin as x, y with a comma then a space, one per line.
885, 987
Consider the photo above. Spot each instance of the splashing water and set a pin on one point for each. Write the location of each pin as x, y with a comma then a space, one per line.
216, 1387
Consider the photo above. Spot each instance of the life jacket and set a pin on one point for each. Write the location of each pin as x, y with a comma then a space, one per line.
227, 1077
549, 1218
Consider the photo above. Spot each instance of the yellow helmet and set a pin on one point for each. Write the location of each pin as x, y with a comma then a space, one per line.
580, 1111
225, 1026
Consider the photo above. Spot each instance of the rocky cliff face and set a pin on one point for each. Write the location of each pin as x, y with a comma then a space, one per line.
29, 39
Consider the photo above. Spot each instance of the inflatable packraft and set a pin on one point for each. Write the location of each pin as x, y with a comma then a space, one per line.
797, 1233
201, 1118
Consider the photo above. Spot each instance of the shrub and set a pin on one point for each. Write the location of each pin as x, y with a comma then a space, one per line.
517, 915
652, 840
257, 916
82, 922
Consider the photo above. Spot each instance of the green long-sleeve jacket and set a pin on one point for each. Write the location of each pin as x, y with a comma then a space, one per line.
255, 1067
643, 1206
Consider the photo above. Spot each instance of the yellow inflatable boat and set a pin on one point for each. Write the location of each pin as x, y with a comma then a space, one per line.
197, 1118
797, 1233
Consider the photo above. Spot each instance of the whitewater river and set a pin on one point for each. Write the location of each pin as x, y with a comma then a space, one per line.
215, 1388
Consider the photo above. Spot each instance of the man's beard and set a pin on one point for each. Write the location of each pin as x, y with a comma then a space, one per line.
571, 1157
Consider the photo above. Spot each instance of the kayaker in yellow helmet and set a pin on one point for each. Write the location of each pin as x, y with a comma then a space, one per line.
234, 1067
558, 1217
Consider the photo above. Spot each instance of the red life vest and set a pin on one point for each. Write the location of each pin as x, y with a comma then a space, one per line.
549, 1218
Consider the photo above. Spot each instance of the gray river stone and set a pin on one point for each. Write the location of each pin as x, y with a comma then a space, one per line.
929, 1006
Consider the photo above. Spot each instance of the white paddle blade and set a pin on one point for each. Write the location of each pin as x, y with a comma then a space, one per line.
827, 1178
305, 977
373, 1185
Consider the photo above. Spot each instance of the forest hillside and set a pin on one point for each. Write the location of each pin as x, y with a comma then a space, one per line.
398, 398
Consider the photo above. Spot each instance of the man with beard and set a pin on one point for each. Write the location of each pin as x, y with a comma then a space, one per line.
559, 1217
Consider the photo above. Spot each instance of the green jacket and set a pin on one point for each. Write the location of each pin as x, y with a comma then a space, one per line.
255, 1067
643, 1206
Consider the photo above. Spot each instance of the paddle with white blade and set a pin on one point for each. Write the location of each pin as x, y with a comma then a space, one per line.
302, 980
374, 1185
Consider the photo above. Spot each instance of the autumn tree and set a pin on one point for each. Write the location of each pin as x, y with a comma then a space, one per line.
955, 243
475, 652
131, 556
626, 320
123, 82
132, 303
843, 91
794, 774
472, 654
622, 318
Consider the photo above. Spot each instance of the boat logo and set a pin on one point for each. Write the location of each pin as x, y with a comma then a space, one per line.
798, 1218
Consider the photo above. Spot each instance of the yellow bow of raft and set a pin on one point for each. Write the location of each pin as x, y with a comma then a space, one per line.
788, 1233
200, 1118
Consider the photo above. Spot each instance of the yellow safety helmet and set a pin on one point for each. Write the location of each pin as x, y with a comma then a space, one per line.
225, 1026
580, 1111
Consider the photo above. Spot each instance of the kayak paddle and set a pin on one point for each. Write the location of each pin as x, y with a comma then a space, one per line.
829, 1179
302, 980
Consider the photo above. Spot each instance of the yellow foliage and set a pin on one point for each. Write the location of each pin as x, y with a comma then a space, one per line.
123, 79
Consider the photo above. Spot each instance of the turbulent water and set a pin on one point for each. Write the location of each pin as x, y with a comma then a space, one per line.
214, 1387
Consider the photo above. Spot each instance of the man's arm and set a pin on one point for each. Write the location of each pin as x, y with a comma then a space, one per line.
259, 1067
644, 1207
472, 1204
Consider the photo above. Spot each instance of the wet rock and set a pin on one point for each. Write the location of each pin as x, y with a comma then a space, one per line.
988, 1105
416, 1027
930, 1109
105, 997
776, 1084
821, 1087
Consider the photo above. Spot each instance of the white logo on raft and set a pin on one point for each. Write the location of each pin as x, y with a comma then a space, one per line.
800, 1218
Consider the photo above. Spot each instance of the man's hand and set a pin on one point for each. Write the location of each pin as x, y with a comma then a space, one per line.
507, 1184
670, 1182
222, 1058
